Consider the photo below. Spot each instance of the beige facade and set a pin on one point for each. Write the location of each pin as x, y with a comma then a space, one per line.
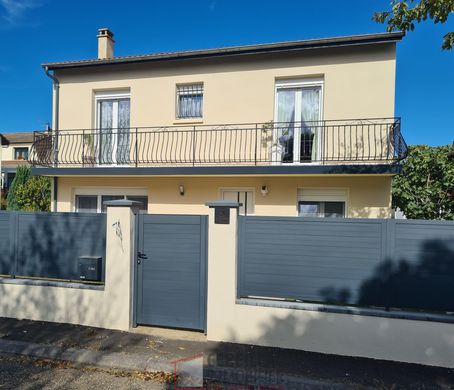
357, 82
8, 152
365, 196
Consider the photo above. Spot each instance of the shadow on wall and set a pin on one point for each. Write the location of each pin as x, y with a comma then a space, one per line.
48, 245
426, 284
338, 338
381, 212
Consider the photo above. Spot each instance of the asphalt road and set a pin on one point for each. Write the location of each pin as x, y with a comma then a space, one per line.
23, 373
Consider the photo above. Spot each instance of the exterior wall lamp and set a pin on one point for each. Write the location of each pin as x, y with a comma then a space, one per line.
181, 190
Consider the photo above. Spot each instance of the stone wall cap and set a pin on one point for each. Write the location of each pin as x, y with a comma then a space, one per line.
122, 203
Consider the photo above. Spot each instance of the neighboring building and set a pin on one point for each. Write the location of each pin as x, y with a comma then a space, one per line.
16, 153
294, 128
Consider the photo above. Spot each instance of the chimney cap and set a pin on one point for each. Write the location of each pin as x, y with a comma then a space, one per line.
103, 32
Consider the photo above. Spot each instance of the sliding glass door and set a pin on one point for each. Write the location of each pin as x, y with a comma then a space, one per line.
297, 117
113, 134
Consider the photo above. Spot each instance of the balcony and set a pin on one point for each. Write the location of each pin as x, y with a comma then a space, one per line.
330, 142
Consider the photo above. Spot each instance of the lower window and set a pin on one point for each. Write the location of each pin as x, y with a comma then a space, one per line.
95, 203
321, 209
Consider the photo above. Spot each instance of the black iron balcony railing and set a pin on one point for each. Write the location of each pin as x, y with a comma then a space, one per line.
271, 143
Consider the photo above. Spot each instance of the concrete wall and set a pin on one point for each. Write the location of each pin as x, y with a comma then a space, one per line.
108, 308
344, 334
367, 196
358, 83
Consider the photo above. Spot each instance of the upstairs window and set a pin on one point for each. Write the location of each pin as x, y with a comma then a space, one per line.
189, 101
21, 153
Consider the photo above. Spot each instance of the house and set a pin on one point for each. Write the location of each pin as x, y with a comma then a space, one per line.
14, 154
291, 128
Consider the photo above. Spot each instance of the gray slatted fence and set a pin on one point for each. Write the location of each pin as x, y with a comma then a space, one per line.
367, 262
48, 245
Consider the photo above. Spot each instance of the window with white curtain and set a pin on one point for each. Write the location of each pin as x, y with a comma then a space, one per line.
298, 111
189, 101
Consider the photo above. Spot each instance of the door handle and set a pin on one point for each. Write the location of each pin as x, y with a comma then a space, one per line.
142, 256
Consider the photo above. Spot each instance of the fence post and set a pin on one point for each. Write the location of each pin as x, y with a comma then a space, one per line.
222, 269
120, 263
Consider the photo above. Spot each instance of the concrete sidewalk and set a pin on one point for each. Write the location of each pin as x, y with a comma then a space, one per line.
154, 350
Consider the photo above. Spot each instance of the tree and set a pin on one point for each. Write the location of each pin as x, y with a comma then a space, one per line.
34, 195
23, 173
425, 188
403, 16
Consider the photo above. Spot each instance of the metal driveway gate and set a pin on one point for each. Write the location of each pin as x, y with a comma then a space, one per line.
171, 271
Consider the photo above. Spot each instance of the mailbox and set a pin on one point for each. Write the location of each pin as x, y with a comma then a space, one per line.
90, 268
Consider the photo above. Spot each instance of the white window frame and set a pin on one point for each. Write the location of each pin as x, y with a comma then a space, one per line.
100, 191
239, 189
20, 147
110, 95
324, 194
300, 83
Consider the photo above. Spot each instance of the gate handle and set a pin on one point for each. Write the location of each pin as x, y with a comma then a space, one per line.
142, 256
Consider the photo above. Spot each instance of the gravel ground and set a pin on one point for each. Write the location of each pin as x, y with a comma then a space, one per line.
23, 373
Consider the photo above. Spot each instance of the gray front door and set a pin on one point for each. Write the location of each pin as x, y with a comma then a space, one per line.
171, 271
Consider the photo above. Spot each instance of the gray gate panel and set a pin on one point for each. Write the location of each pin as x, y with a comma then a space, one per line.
316, 260
172, 285
419, 274
49, 244
7, 233
387, 263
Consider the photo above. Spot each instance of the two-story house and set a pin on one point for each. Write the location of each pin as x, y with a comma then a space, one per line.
292, 128
15, 152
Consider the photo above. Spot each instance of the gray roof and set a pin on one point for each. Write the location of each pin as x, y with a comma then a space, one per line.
287, 46
19, 138
3, 140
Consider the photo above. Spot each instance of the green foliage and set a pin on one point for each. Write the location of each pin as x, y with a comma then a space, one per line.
34, 195
3, 200
425, 189
404, 15
23, 173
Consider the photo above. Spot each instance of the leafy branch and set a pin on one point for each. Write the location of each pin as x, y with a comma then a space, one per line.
404, 14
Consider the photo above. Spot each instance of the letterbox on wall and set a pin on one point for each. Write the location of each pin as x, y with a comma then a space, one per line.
90, 268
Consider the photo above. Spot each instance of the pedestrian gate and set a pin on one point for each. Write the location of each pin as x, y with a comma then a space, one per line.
171, 271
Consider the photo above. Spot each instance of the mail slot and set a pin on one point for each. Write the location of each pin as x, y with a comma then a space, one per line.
90, 268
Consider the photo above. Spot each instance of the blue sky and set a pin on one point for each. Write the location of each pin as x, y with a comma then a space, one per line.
37, 31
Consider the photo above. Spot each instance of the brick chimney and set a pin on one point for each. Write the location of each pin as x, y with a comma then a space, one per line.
105, 44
